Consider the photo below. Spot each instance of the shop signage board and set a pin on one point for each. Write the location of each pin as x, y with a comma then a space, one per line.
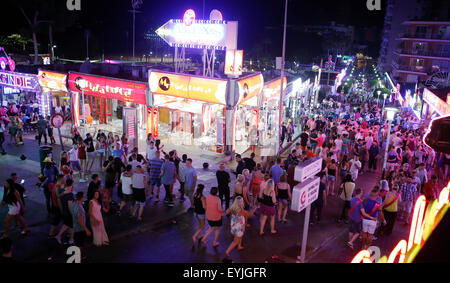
185, 86
152, 121
26, 82
130, 125
250, 87
271, 90
124, 90
192, 33
436, 103
307, 169
305, 193
233, 62
52, 80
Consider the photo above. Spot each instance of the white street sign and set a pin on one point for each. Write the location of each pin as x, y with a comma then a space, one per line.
307, 169
305, 193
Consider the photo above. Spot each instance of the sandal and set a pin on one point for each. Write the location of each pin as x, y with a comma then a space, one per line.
271, 232
241, 249
215, 245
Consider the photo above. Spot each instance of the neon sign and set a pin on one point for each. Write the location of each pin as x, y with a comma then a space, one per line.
192, 33
436, 103
52, 80
20, 81
424, 221
196, 88
123, 90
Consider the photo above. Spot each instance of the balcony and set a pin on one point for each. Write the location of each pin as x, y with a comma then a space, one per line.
423, 36
413, 69
423, 53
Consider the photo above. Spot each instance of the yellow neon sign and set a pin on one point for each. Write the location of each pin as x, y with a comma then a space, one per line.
423, 223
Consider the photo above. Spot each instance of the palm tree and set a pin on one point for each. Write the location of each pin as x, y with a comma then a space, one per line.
34, 27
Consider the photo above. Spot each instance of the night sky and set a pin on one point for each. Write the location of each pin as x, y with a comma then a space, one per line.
259, 21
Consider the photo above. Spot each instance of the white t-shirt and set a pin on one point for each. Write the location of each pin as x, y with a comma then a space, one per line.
353, 169
150, 152
135, 163
138, 180
58, 109
369, 141
73, 154
338, 143
126, 184
397, 141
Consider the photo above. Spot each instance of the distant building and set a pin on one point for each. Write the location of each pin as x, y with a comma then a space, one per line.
397, 11
422, 50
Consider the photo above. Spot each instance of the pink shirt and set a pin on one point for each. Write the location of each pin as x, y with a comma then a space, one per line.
212, 208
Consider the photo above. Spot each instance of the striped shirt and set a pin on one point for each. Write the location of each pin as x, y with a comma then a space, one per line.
155, 167
408, 191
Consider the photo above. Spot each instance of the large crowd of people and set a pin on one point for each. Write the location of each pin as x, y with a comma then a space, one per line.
350, 136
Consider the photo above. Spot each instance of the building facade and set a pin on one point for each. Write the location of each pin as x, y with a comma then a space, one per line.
397, 11
422, 50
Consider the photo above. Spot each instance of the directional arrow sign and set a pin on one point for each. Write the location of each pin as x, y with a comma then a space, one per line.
200, 34
305, 193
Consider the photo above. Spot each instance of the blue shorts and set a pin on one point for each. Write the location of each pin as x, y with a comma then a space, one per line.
155, 181
331, 178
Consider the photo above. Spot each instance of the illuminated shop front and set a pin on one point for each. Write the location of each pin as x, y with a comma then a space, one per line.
247, 112
105, 101
187, 110
54, 90
23, 87
269, 116
434, 106
295, 98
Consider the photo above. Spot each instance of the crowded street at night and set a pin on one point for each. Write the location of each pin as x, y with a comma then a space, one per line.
188, 133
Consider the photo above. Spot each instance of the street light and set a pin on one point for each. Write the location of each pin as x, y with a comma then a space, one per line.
390, 114
385, 96
378, 92
83, 83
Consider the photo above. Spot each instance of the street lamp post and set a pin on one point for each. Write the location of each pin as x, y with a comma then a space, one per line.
282, 75
82, 83
378, 99
390, 113
385, 96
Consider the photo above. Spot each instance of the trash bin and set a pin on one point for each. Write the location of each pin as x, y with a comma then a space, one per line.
44, 151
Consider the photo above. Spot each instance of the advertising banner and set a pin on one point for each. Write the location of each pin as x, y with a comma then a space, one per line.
250, 87
191, 87
26, 82
123, 90
52, 80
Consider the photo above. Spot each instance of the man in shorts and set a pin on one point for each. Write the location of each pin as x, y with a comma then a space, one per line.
80, 230
155, 173
75, 162
372, 208
408, 193
66, 199
355, 213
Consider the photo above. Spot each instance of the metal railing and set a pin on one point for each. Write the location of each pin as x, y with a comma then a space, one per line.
442, 54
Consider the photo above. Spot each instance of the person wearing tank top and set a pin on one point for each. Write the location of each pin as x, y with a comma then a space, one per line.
126, 181
267, 207
284, 197
140, 191
199, 211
